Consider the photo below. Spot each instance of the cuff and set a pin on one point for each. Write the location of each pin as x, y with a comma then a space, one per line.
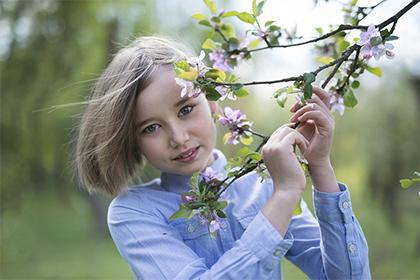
261, 238
333, 207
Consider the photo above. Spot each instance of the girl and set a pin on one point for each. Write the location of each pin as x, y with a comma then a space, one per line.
136, 113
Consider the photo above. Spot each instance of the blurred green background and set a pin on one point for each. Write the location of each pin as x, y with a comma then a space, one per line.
51, 52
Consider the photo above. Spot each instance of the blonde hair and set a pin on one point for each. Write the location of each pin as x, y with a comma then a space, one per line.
107, 157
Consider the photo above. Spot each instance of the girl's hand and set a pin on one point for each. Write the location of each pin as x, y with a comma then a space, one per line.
317, 126
281, 161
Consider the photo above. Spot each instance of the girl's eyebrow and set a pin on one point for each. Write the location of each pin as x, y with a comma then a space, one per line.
182, 101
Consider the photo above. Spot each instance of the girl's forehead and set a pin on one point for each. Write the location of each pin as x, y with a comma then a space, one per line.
162, 90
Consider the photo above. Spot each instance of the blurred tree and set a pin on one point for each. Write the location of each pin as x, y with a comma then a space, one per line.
392, 150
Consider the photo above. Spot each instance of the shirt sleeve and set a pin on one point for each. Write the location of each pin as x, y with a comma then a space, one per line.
334, 247
155, 250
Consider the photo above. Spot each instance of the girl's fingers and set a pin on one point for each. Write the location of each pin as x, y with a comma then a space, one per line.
282, 132
315, 99
323, 95
295, 138
311, 107
322, 123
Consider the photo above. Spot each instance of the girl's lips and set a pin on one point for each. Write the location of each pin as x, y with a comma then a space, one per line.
188, 155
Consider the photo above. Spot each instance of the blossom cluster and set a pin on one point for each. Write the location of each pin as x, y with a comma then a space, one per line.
237, 123
373, 45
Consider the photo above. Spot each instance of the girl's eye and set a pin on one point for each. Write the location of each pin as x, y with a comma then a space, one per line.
185, 110
151, 129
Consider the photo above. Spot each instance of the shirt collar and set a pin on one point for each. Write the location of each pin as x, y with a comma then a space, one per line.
176, 183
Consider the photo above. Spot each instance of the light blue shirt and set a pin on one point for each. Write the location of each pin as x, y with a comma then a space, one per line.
247, 247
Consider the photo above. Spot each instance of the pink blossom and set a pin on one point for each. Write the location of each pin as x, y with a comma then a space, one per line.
337, 103
188, 198
214, 226
220, 60
365, 37
237, 123
198, 64
372, 46
209, 174
188, 88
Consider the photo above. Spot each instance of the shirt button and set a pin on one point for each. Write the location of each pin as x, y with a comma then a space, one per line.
277, 252
352, 248
345, 204
223, 224
190, 228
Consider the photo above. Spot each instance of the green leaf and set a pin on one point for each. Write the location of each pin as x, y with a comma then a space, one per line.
211, 6
350, 99
194, 181
375, 41
307, 91
199, 17
241, 92
309, 77
182, 65
246, 17
254, 44
377, 71
209, 44
268, 22
281, 97
186, 75
254, 7
211, 93
254, 155
230, 14
355, 84
228, 30
342, 45
220, 204
215, 73
205, 23
244, 151
319, 30
407, 183
298, 209
260, 7
391, 38
246, 140
183, 212
325, 59
220, 213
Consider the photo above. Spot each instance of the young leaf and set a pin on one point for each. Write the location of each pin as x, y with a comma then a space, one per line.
307, 91
241, 92
209, 44
246, 17
199, 17
406, 183
377, 71
211, 6
246, 140
325, 59
183, 212
260, 7
349, 98
228, 30
309, 77
298, 209
205, 23
230, 14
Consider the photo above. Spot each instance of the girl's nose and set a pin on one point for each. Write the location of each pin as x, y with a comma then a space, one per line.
178, 137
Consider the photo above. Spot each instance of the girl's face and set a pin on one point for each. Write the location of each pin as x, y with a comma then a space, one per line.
176, 135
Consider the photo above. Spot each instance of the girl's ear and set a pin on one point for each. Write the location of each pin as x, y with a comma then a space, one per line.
214, 106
